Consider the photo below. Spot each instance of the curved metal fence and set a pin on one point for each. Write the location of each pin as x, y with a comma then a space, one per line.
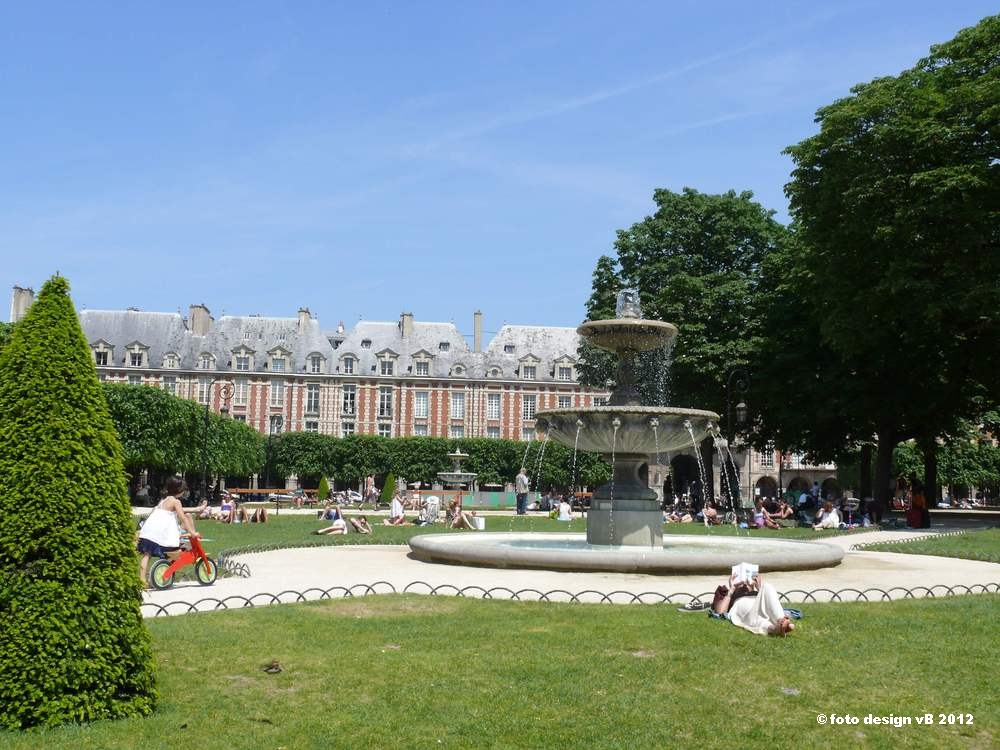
590, 596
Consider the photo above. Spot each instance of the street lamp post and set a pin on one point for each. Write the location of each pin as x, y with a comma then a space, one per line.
738, 383
226, 388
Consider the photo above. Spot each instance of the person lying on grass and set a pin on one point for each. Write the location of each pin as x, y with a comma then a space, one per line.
337, 526
361, 525
754, 606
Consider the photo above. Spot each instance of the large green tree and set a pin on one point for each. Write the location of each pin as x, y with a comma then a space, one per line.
74, 647
898, 200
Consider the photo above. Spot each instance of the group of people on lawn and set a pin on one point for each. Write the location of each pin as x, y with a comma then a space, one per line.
427, 513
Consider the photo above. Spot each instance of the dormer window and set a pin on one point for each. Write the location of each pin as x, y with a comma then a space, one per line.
423, 368
101, 358
279, 360
444, 346
495, 372
102, 353
242, 362
366, 343
206, 361
564, 373
458, 371
135, 355
246, 335
316, 363
508, 348
386, 366
277, 364
528, 372
171, 361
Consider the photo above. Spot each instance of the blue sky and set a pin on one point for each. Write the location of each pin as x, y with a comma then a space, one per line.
362, 159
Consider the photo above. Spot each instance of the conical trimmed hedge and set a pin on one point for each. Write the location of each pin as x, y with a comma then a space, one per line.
73, 646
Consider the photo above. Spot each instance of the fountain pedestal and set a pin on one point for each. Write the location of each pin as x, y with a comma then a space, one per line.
625, 511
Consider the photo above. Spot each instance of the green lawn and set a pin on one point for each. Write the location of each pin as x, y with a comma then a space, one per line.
974, 545
410, 671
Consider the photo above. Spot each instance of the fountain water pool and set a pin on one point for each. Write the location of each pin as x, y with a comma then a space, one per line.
625, 522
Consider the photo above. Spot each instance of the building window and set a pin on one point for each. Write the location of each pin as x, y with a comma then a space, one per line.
348, 366
204, 386
528, 372
385, 430
385, 402
600, 401
508, 348
240, 392
421, 404
243, 362
420, 430
527, 434
492, 432
458, 406
495, 372
101, 358
387, 367
564, 402
346, 429
315, 364
240, 418
565, 373
312, 398
350, 402
366, 344
246, 335
458, 370
423, 368
135, 359
135, 379
170, 384
277, 393
444, 346
456, 431
766, 458
205, 361
171, 361
529, 404
312, 425
277, 364
493, 406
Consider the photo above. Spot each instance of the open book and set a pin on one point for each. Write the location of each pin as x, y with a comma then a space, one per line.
744, 572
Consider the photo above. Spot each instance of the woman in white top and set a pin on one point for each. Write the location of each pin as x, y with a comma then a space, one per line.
827, 517
160, 532
565, 511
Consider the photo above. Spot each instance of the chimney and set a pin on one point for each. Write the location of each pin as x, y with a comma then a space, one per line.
477, 331
304, 316
20, 301
406, 324
199, 319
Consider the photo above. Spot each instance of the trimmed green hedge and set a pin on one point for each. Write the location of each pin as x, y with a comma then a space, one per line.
73, 646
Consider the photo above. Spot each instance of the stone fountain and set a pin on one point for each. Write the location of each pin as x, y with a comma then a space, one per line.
625, 523
456, 478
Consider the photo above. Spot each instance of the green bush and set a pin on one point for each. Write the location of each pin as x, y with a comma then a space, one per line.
323, 490
74, 646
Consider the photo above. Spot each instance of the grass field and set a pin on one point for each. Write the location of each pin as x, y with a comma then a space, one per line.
974, 545
442, 672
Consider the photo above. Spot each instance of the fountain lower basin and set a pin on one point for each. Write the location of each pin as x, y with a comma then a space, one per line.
678, 555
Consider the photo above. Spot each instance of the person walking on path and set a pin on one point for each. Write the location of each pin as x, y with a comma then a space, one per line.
521, 491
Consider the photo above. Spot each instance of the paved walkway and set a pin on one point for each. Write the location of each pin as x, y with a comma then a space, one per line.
283, 574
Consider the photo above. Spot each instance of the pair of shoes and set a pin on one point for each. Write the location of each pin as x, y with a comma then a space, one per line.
695, 605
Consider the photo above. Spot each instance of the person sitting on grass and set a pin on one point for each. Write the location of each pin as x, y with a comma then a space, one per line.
338, 525
761, 518
203, 511
753, 606
396, 515
565, 511
227, 510
361, 525
827, 517
459, 519
710, 514
784, 511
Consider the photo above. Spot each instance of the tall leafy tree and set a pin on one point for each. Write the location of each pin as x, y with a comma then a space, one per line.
74, 645
898, 200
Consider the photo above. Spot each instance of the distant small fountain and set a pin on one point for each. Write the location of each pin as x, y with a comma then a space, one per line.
625, 522
457, 479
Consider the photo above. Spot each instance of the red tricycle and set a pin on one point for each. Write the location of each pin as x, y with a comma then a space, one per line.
161, 572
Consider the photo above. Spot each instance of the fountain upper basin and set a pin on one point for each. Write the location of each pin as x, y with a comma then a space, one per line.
635, 432
679, 554
628, 334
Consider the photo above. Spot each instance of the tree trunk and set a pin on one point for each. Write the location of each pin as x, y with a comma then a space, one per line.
883, 471
865, 484
931, 490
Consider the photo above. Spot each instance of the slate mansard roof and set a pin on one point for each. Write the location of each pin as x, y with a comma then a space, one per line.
368, 342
